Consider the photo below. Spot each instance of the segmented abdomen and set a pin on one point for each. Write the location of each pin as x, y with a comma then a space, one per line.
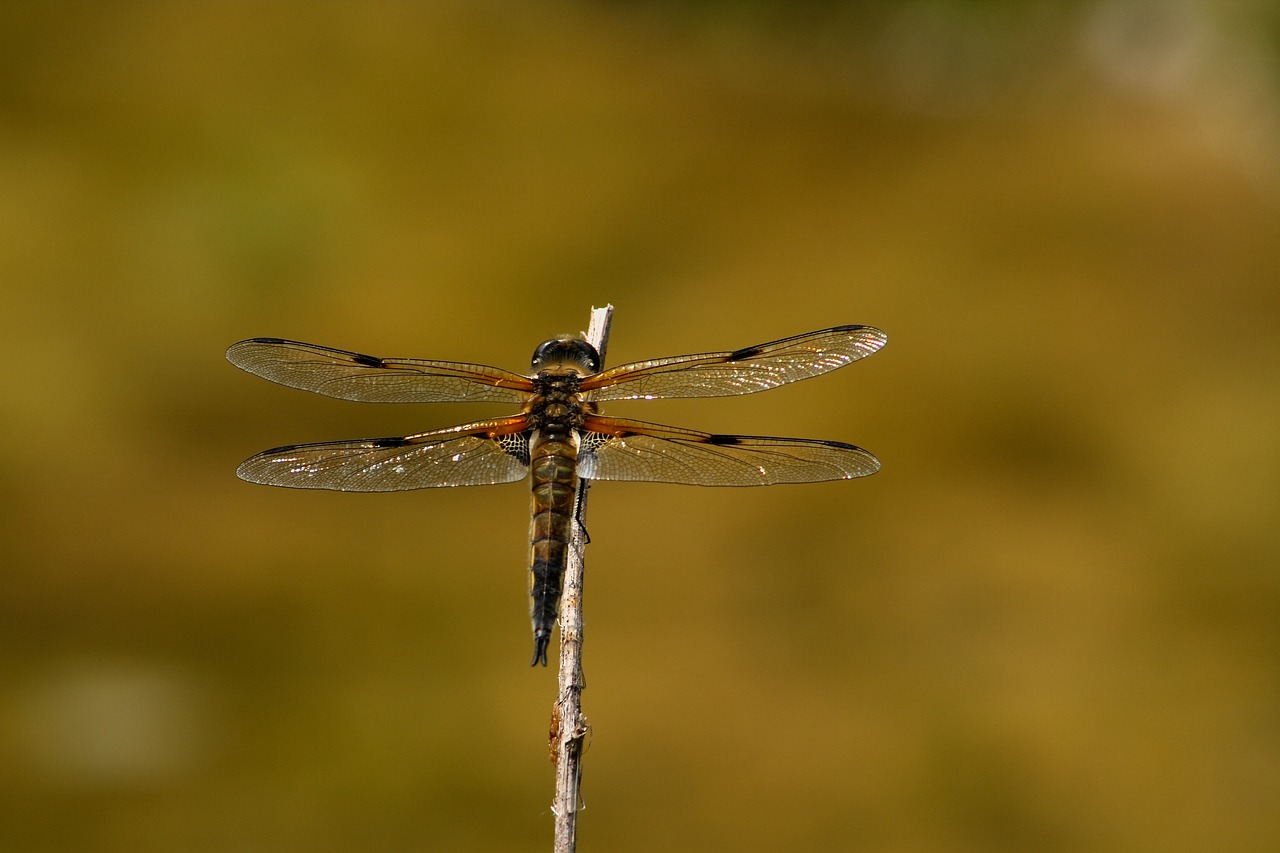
553, 463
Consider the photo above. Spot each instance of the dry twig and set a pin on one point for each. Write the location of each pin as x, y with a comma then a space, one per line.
568, 725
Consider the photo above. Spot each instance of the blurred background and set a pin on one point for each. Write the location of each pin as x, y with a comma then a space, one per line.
1052, 622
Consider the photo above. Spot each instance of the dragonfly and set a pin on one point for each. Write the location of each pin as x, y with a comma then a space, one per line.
558, 438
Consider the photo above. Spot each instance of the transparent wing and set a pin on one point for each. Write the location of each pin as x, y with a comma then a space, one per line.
369, 379
744, 371
474, 454
618, 449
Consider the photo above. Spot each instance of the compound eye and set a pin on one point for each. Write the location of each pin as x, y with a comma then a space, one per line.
587, 356
566, 352
542, 355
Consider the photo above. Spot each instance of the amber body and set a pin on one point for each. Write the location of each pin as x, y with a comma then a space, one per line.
557, 412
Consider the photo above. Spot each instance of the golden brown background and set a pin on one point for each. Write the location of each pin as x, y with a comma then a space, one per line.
1051, 623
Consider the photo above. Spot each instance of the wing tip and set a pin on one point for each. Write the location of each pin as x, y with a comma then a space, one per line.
248, 470
870, 338
238, 352
872, 466
254, 470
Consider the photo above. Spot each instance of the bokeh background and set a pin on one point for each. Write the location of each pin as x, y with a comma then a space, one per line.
1051, 623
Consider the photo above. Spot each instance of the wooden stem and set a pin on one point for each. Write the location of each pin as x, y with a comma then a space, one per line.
569, 727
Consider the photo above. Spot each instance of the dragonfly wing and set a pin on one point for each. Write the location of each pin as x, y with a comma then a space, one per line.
475, 454
744, 371
369, 379
618, 449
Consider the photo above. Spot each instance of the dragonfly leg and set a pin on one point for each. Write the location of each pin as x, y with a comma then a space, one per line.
583, 485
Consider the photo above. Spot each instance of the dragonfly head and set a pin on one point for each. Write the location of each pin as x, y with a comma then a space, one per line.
561, 355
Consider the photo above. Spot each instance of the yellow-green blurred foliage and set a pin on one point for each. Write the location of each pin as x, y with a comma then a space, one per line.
1051, 623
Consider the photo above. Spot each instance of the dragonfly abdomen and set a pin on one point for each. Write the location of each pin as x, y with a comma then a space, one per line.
553, 467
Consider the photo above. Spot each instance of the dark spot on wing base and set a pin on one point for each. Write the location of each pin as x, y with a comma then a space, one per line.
516, 445
723, 439
744, 353
366, 360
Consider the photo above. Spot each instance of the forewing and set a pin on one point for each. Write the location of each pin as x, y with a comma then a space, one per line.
369, 379
475, 454
618, 449
744, 371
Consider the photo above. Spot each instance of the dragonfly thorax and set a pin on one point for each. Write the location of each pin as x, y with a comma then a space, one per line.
559, 367
556, 404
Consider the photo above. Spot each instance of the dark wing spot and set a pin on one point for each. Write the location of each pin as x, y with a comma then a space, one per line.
841, 444
286, 448
723, 439
389, 442
366, 360
744, 353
